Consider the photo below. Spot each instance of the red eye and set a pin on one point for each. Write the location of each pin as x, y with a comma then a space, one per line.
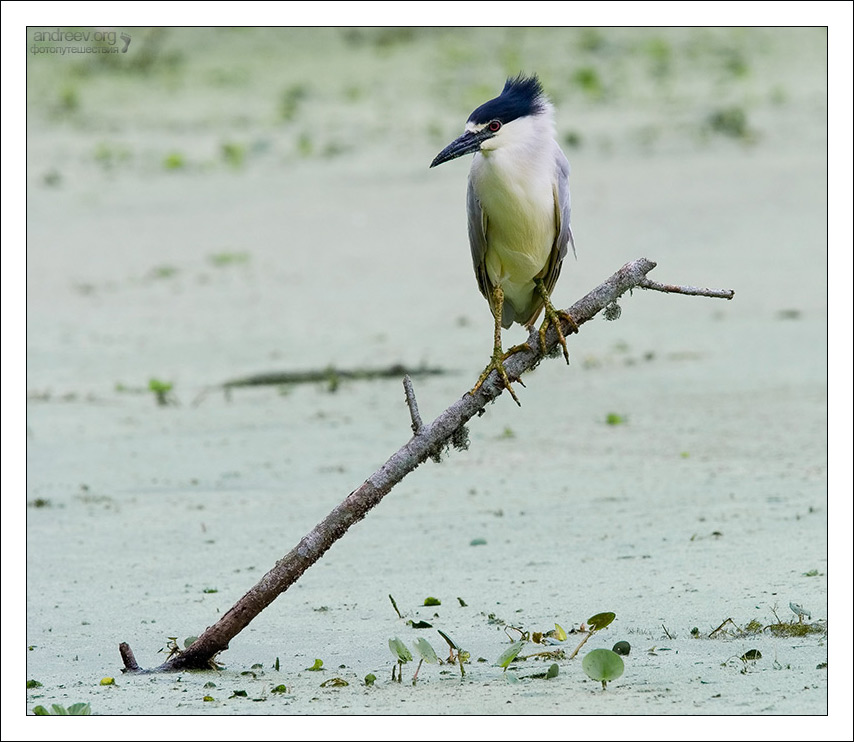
494, 126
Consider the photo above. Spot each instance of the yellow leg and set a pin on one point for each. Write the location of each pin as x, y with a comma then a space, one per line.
553, 316
497, 362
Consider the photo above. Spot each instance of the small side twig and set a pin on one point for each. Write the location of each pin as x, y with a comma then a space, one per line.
411, 402
669, 288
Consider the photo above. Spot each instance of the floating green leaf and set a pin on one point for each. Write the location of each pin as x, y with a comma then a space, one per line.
399, 650
603, 665
75, 709
622, 648
600, 620
510, 654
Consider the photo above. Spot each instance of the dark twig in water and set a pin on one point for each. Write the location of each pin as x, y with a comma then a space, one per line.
447, 428
329, 375
395, 371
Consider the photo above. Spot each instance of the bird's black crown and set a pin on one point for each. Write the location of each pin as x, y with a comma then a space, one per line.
522, 96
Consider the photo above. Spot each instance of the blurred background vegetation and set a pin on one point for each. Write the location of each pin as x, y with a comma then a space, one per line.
194, 99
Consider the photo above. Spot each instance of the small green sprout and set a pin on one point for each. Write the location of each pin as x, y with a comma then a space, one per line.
799, 611
461, 655
108, 681
223, 259
432, 601
318, 665
162, 391
233, 154
510, 654
280, 689
174, 161
370, 679
597, 622
401, 654
427, 653
33, 684
603, 665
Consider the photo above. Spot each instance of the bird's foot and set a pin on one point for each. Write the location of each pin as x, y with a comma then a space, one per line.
516, 349
555, 317
497, 364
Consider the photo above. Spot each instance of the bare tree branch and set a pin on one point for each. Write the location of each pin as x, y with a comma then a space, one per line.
428, 441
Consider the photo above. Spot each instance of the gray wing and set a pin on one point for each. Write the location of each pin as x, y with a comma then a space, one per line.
477, 241
563, 204
564, 230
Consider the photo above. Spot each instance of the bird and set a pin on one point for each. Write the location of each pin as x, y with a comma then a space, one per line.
518, 209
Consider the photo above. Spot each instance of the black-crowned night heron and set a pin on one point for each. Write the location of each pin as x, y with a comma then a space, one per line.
518, 211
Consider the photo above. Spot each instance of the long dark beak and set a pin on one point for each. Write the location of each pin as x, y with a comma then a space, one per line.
467, 143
